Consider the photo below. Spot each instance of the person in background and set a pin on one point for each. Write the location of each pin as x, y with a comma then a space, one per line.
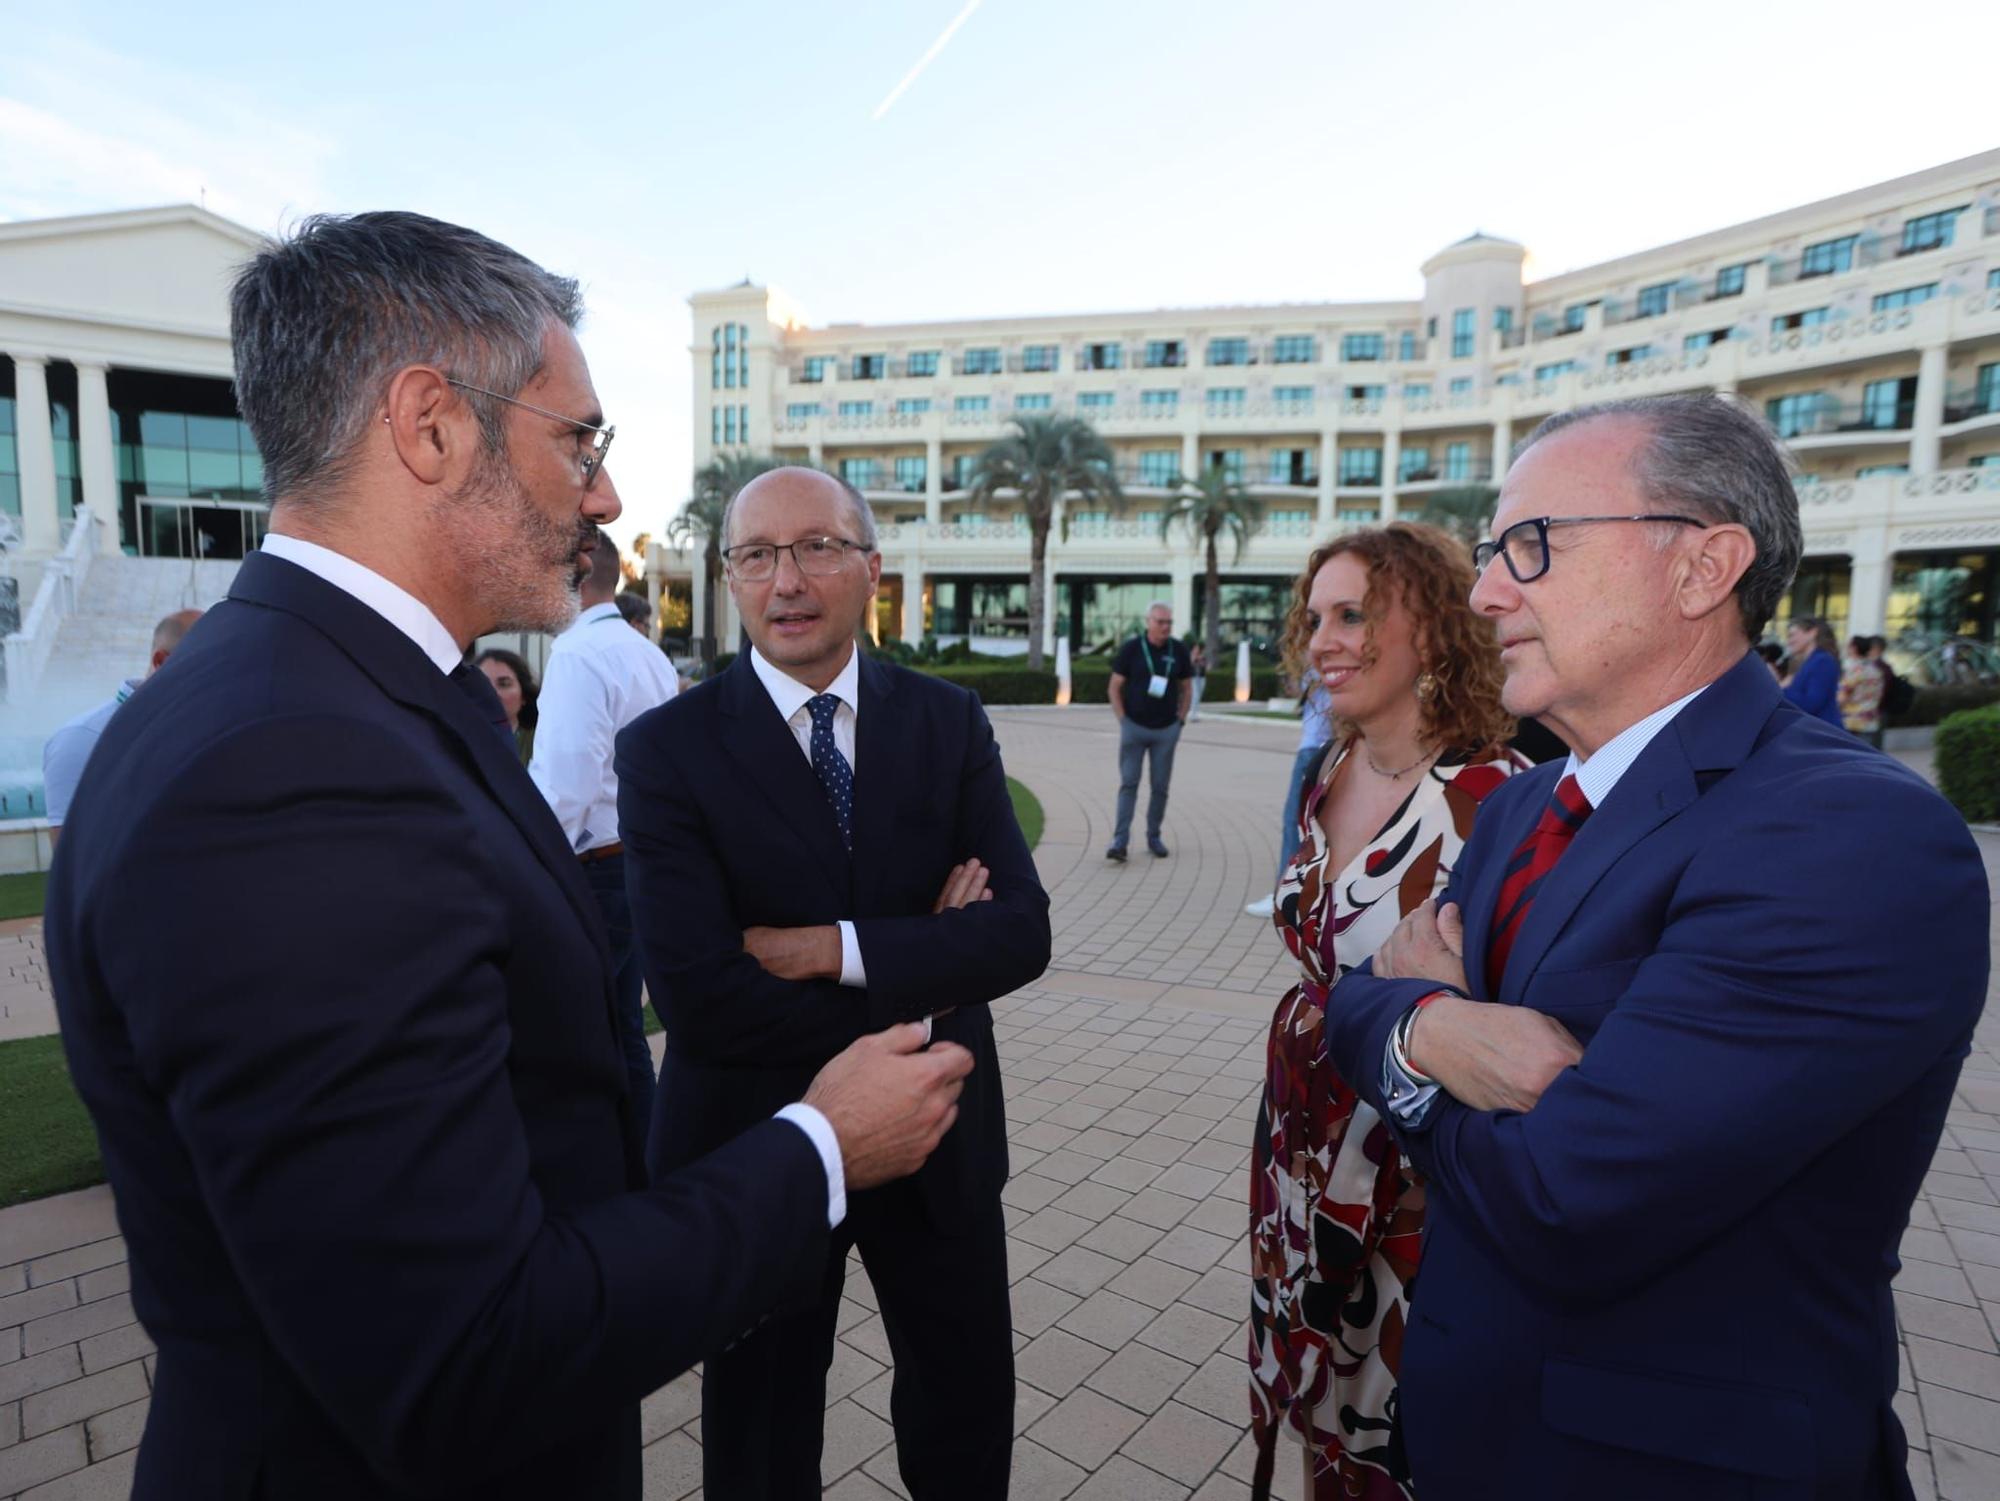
1412, 679
635, 610
1315, 733
1152, 683
1198, 663
1861, 683
1774, 658
1814, 682
68, 749
514, 681
600, 678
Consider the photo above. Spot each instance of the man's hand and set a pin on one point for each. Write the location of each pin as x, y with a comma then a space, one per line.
1427, 945
796, 953
965, 885
890, 1104
1490, 1057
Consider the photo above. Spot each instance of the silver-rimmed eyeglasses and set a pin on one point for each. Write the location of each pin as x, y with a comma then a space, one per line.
1525, 544
753, 562
592, 462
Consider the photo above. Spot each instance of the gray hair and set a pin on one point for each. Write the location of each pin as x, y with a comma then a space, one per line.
857, 505
321, 321
1160, 604
1713, 458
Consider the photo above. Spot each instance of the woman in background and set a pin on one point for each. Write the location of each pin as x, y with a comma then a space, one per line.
515, 683
1814, 681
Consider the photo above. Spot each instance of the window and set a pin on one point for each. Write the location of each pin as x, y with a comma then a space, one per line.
715, 424
1574, 315
1462, 332
971, 403
1228, 460
1102, 357
1037, 401
1293, 466
1889, 404
1431, 328
1654, 300
1094, 401
921, 362
1461, 385
912, 406
1416, 390
1039, 358
1164, 354
1866, 470
729, 357
1692, 342
1159, 466
1985, 461
1415, 464
1293, 398
1294, 349
743, 424
1503, 320
1361, 346
1366, 393
1792, 415
1986, 394
860, 473
817, 366
911, 473
1406, 345
962, 465
1361, 466
1729, 280
1638, 354
1887, 302
1930, 231
1993, 280
1828, 257
869, 366
979, 362
1458, 461
1229, 351
1556, 371
857, 409
1159, 402
800, 411
1804, 318
1225, 401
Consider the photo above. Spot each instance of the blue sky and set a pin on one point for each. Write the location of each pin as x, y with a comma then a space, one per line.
1053, 156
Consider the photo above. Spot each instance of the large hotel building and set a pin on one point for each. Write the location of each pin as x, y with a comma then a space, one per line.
1866, 328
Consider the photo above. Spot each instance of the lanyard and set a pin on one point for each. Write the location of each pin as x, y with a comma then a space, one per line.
1152, 666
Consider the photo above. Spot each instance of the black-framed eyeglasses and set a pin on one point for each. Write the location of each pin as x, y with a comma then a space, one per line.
1525, 544
592, 462
753, 562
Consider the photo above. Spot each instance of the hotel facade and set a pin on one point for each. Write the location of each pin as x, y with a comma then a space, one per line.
1865, 327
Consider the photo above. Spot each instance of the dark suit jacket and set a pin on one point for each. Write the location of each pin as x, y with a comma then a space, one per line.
1671, 1278
338, 1001
726, 827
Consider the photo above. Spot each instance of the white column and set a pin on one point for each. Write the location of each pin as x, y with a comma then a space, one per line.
933, 482
1925, 435
1392, 463
1503, 444
1868, 581
1329, 466
699, 587
1191, 453
1181, 592
41, 532
913, 601
96, 455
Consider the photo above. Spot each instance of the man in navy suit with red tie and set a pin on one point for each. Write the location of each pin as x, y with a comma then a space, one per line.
1675, 1049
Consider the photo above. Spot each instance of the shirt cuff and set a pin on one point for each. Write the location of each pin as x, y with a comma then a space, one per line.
851, 972
820, 1132
1407, 1092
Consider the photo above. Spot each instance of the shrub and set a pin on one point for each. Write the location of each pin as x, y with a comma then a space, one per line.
1937, 701
1968, 762
1001, 685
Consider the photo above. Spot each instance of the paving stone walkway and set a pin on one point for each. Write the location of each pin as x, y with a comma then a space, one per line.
1131, 1075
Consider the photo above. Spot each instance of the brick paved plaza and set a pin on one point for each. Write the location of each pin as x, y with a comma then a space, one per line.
1132, 1070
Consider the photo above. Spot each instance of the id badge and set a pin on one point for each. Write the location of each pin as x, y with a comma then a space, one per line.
1157, 688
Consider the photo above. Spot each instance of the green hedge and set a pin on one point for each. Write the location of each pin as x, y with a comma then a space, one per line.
1968, 762
1938, 702
1090, 683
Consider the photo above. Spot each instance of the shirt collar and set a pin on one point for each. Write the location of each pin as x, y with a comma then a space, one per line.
394, 604
1598, 775
790, 695
595, 613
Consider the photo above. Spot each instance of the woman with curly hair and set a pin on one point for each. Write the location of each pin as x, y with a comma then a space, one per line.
1380, 618
514, 681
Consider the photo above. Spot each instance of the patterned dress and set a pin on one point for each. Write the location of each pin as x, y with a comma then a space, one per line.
1335, 1215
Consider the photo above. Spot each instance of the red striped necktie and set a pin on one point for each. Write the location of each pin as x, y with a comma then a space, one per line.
1535, 858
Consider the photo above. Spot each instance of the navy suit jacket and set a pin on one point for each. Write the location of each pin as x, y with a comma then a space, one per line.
338, 1000
1671, 1278
726, 826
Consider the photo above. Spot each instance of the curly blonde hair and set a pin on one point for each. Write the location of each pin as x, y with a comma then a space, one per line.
1432, 577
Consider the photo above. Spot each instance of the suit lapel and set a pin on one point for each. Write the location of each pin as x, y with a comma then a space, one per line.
882, 757
764, 748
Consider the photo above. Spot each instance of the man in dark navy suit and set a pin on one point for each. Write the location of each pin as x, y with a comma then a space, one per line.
1676, 1049
330, 979
829, 842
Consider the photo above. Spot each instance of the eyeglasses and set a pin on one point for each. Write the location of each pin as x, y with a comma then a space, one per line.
591, 462
1525, 544
753, 562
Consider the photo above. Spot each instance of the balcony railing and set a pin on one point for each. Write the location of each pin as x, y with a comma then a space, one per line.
1969, 402
1830, 418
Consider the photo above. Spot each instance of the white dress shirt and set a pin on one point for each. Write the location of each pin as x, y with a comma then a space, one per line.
601, 675
414, 619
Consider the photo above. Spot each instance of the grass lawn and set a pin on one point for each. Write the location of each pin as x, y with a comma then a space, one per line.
22, 895
1027, 811
48, 1146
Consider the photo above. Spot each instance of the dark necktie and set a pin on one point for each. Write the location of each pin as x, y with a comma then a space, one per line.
1535, 858
477, 687
835, 775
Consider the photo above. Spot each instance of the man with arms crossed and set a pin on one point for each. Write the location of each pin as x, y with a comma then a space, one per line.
1675, 1075
330, 980
820, 844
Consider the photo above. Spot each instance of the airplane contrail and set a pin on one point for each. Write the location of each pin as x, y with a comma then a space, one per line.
929, 57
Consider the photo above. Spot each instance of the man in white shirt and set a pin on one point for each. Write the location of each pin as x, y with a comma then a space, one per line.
600, 677
67, 750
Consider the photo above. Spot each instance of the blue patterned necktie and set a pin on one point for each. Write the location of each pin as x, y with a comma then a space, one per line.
835, 775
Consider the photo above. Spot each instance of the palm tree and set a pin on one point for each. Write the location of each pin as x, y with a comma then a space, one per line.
702, 514
1042, 460
1207, 506
1463, 511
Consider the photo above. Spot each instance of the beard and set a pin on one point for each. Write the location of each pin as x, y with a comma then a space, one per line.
524, 563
